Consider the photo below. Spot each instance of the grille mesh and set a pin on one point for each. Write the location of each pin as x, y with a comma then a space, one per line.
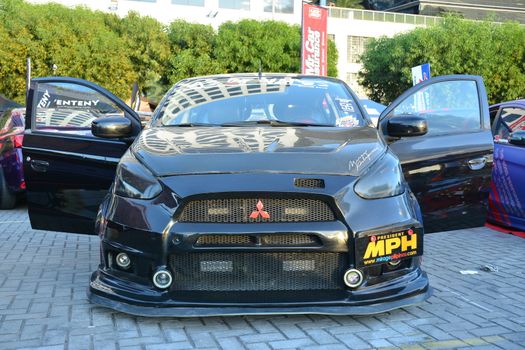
273, 240
239, 271
309, 183
224, 240
238, 210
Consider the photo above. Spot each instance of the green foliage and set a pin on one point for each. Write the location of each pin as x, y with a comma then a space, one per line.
332, 58
455, 46
356, 4
275, 46
191, 46
242, 46
116, 52
147, 46
77, 41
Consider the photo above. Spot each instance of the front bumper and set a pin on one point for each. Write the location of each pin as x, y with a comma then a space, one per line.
152, 236
122, 296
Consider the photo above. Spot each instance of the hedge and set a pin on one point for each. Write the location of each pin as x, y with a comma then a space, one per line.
116, 52
455, 46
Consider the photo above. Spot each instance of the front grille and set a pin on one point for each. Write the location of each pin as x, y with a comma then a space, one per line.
254, 210
260, 271
270, 240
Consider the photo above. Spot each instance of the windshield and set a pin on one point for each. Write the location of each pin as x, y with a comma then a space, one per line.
282, 101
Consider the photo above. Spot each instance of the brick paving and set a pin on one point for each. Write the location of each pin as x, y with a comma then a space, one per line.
44, 275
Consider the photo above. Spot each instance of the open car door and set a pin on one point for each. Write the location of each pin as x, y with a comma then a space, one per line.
68, 170
449, 166
506, 200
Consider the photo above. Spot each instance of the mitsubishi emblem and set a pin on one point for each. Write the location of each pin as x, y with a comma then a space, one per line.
259, 211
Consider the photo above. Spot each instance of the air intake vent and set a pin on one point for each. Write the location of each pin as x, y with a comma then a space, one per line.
268, 271
272, 240
309, 183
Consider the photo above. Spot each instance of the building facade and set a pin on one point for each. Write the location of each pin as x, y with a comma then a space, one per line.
349, 28
498, 10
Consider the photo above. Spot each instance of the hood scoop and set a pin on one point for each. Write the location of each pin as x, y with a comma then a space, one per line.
309, 183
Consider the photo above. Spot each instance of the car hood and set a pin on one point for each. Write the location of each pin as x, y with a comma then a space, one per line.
305, 150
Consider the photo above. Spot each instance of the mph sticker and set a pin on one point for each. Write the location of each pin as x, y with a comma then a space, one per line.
378, 249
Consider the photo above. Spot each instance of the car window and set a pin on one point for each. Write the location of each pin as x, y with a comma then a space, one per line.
493, 113
448, 106
219, 100
70, 108
511, 119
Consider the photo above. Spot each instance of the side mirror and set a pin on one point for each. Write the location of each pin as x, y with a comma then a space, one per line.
407, 125
111, 127
517, 138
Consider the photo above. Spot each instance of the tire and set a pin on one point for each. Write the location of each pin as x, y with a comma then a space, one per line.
7, 198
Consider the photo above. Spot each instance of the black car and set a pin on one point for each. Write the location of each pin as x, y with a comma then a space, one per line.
258, 194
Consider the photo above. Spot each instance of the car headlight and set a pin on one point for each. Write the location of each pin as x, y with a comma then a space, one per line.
133, 180
383, 179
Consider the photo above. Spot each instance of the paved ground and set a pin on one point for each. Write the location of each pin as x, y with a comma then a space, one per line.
43, 278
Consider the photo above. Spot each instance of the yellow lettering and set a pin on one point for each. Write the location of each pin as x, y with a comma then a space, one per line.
374, 249
406, 242
392, 244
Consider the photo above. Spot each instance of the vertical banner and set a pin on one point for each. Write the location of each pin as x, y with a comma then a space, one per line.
420, 73
314, 40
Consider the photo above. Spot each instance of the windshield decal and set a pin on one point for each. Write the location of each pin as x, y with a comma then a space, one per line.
45, 100
345, 105
348, 122
76, 103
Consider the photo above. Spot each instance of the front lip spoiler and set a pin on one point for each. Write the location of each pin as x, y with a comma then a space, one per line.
184, 311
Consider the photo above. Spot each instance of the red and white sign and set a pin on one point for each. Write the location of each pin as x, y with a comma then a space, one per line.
314, 46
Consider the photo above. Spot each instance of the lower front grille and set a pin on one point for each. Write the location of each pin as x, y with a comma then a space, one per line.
257, 271
269, 240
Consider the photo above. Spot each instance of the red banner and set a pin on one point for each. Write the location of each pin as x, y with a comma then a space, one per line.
314, 46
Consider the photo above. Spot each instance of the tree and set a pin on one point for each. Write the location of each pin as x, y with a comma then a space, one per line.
116, 52
76, 40
147, 47
191, 51
455, 46
275, 46
244, 45
358, 4
332, 58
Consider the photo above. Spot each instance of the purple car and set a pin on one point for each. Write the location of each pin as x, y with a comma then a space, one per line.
507, 196
12, 182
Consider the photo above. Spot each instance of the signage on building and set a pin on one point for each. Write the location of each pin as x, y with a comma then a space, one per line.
420, 73
314, 40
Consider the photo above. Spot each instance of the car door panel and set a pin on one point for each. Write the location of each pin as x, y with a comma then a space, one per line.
449, 172
68, 171
506, 206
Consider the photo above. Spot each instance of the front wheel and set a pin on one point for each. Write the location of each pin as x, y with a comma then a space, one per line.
7, 198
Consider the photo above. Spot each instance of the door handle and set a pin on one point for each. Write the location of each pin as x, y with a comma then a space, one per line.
477, 163
39, 165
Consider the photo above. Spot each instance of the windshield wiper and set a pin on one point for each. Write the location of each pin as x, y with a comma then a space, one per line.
272, 122
185, 125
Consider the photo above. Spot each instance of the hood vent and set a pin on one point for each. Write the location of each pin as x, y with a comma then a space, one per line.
309, 183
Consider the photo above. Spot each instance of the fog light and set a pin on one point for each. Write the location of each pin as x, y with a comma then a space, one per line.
353, 278
123, 260
162, 279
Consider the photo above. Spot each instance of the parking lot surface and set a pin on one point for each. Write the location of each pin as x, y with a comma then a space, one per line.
44, 276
